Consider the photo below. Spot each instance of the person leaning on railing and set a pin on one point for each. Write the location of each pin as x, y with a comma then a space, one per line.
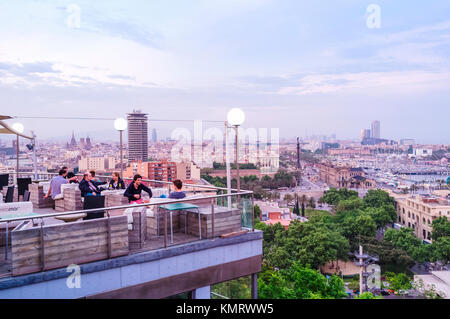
116, 182
88, 187
134, 190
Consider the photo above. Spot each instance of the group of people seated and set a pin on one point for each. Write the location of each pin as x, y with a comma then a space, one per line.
90, 186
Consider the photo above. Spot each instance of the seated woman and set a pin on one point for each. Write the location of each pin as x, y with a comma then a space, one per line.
134, 190
88, 187
178, 193
116, 182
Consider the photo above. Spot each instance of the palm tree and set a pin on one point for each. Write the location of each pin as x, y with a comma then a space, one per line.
312, 203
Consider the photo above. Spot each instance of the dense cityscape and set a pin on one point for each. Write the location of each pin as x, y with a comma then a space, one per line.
217, 158
376, 194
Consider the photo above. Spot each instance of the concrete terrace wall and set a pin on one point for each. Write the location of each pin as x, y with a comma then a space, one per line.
122, 272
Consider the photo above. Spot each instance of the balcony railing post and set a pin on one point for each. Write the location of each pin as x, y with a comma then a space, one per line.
109, 236
6, 245
212, 218
42, 245
165, 229
253, 213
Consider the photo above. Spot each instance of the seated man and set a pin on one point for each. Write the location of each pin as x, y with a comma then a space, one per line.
134, 190
55, 184
178, 193
88, 187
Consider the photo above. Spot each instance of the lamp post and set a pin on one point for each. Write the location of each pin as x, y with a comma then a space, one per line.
33, 143
121, 125
18, 127
236, 117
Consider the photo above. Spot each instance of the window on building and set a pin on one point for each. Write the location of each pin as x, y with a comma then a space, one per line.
424, 234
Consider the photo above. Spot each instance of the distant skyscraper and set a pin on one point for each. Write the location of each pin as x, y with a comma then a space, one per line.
82, 142
365, 134
137, 136
154, 136
376, 129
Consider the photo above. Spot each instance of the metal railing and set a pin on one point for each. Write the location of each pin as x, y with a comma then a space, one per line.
246, 222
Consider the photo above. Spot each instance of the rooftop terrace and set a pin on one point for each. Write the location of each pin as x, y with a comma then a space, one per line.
39, 247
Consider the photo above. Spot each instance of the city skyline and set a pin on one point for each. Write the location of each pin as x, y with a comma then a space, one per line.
277, 61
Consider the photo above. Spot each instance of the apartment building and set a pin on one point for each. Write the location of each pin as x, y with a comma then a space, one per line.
187, 171
97, 163
418, 212
158, 170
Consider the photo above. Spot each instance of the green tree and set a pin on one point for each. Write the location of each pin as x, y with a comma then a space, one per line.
441, 228
398, 282
367, 295
257, 212
334, 196
441, 249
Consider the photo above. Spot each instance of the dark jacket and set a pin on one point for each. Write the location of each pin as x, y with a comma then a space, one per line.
120, 184
85, 189
131, 191
177, 195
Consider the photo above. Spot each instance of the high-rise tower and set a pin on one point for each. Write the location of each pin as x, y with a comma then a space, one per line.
376, 129
154, 136
137, 136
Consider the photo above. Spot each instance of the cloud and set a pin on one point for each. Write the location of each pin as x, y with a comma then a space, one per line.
27, 68
331, 83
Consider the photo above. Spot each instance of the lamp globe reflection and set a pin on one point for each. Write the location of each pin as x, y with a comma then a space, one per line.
120, 124
236, 117
18, 127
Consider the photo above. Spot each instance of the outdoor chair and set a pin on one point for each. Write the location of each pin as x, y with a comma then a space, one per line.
9, 194
22, 186
92, 202
26, 196
4, 180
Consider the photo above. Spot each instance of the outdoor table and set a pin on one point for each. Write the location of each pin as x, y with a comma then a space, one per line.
7, 216
71, 218
180, 206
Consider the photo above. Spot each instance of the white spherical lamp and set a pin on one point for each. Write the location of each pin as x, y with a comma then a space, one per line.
18, 127
236, 117
120, 124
